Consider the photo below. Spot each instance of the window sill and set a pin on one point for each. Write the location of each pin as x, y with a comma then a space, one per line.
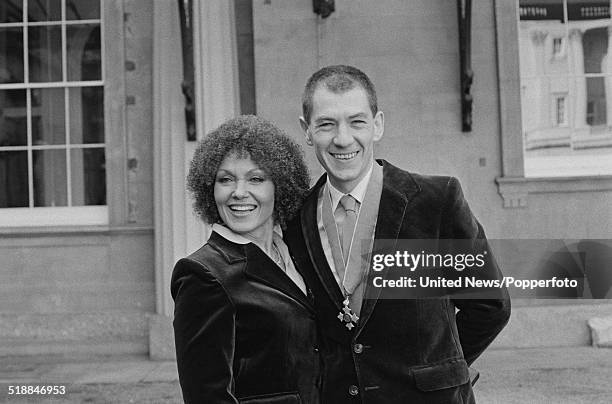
104, 230
514, 190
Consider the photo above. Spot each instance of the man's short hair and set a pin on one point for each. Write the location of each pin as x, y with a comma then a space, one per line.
337, 79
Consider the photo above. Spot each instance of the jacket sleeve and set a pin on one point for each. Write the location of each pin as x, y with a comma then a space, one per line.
204, 331
479, 320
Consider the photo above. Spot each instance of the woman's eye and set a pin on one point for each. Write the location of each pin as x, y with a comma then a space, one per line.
257, 180
224, 180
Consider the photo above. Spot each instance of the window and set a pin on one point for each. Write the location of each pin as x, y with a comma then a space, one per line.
52, 135
576, 139
560, 115
558, 48
516, 182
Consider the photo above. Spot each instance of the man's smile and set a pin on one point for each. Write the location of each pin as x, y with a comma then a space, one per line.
344, 156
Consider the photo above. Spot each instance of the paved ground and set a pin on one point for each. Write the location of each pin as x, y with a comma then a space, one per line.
559, 375
555, 376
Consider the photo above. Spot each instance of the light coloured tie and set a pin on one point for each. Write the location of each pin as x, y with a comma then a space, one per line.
350, 206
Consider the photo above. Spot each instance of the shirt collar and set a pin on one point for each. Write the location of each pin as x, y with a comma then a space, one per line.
229, 235
358, 192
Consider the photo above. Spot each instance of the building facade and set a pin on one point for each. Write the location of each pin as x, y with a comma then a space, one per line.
94, 146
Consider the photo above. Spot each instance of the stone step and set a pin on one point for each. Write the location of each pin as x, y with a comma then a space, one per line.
73, 349
137, 333
74, 334
551, 325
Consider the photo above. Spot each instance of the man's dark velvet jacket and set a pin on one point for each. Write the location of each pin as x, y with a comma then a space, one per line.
244, 332
402, 351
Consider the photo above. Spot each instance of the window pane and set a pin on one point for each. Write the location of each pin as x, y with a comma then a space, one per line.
88, 168
84, 52
11, 55
82, 9
44, 10
86, 115
13, 118
11, 11
48, 117
13, 179
50, 185
45, 53
595, 101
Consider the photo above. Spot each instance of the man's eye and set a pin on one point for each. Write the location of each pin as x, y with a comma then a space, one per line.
359, 122
325, 125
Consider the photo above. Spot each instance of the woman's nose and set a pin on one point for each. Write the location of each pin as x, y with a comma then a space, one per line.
240, 191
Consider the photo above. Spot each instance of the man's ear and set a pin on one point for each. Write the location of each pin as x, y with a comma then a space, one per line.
379, 125
307, 134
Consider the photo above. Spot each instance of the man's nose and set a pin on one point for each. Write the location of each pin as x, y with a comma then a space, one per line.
240, 191
343, 136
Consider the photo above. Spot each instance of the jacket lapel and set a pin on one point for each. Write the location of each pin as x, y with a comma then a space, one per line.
260, 267
315, 248
393, 212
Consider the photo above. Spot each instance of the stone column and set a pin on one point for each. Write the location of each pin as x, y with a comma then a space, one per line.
178, 231
537, 111
578, 88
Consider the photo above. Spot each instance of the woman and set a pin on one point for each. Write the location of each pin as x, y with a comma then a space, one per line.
244, 325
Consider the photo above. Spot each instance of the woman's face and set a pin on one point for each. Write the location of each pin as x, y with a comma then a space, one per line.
244, 194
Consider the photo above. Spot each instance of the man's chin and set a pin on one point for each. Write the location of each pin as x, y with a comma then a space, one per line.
344, 179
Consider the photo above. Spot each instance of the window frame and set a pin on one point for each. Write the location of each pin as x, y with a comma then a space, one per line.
512, 185
115, 212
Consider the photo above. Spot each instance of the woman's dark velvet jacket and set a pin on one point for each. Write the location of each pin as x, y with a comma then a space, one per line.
244, 332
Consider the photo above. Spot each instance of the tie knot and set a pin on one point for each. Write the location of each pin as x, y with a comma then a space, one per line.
349, 203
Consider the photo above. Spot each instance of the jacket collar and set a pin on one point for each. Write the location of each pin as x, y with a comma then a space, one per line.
259, 267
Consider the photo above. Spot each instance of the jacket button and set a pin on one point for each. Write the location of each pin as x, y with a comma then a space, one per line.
358, 348
315, 349
353, 390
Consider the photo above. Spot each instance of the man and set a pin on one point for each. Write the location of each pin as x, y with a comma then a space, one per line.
381, 350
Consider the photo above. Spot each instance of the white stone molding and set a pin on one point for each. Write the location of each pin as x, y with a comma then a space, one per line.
178, 231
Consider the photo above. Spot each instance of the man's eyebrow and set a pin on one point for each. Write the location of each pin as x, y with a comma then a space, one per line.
358, 115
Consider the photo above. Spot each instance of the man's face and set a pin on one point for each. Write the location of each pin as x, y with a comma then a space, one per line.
343, 131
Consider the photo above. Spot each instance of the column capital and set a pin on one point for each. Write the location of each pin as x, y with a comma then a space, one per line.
575, 34
538, 36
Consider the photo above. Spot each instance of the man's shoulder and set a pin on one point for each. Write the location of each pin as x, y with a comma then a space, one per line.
400, 179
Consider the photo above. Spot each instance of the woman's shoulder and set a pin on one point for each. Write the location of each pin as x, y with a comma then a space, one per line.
216, 258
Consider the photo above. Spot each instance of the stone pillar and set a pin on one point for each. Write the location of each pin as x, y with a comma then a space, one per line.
578, 88
178, 231
536, 113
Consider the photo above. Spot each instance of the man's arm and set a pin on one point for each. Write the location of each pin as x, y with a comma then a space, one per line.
204, 329
478, 320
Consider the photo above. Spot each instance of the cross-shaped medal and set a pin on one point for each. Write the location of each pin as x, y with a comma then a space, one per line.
347, 316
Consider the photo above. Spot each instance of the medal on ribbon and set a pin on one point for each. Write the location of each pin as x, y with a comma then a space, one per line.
347, 316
